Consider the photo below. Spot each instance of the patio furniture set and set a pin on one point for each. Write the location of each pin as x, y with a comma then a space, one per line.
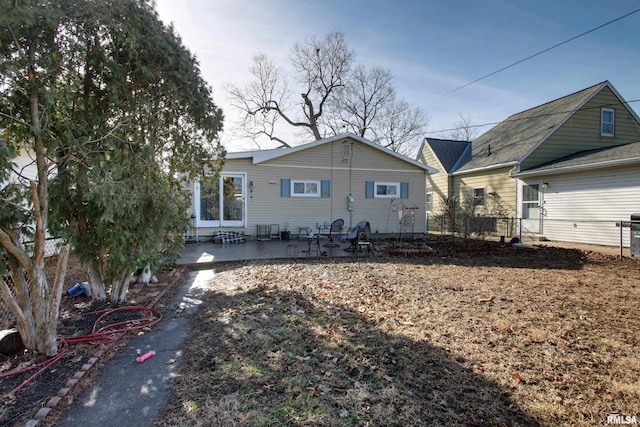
357, 238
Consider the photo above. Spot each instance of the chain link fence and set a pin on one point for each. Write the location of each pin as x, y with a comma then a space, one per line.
472, 226
592, 232
75, 274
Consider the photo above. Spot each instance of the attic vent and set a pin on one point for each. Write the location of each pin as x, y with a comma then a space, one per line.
346, 151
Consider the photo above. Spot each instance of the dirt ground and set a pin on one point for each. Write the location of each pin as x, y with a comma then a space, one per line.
498, 337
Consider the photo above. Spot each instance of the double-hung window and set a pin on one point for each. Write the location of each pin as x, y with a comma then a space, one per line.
607, 121
428, 202
479, 196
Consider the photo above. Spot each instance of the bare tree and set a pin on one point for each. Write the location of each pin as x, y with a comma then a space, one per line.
402, 128
336, 98
321, 68
463, 129
263, 101
368, 107
361, 101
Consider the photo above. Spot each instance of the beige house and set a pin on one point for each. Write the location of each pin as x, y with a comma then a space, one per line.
572, 158
343, 177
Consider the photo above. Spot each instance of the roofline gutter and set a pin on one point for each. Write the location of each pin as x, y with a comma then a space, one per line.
496, 166
577, 168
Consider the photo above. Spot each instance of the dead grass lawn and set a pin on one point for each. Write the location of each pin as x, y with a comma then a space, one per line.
541, 338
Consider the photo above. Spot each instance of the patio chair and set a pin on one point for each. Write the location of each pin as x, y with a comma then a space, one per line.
334, 231
359, 237
274, 231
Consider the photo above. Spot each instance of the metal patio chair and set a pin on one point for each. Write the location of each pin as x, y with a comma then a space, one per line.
359, 238
334, 231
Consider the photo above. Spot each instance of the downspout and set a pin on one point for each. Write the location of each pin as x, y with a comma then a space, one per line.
514, 169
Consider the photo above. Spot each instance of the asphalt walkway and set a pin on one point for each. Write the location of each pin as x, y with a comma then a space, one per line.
127, 393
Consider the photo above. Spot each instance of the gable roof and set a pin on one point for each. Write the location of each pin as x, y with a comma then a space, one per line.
607, 157
509, 142
260, 156
448, 152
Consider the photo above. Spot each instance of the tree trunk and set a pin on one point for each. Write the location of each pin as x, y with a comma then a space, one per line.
119, 288
19, 303
37, 313
98, 292
47, 303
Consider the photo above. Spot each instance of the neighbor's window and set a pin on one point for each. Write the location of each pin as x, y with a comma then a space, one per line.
305, 188
387, 189
607, 121
428, 202
479, 195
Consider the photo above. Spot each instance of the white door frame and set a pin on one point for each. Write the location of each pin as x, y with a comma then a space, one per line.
533, 223
221, 222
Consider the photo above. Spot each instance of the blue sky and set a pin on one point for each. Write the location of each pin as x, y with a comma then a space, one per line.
431, 48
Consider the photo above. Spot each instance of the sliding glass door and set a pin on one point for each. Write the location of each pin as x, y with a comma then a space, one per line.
221, 203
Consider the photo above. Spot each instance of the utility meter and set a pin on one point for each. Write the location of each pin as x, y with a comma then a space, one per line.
349, 202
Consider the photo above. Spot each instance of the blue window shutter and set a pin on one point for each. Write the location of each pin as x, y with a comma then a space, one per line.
368, 190
404, 190
325, 188
285, 187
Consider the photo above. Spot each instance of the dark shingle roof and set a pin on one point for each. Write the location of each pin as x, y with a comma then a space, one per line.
449, 151
606, 157
509, 141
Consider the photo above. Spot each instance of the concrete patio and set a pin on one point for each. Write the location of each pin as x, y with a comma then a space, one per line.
205, 254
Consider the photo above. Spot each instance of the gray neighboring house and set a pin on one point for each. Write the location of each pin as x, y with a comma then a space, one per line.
561, 167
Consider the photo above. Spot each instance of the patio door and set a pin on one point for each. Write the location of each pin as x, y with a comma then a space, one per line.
531, 209
221, 203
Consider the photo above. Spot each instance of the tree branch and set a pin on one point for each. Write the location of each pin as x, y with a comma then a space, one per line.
10, 300
58, 283
8, 241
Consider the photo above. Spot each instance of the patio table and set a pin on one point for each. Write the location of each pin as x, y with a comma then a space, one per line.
313, 239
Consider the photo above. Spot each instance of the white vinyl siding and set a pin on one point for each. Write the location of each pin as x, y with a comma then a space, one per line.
584, 207
26, 164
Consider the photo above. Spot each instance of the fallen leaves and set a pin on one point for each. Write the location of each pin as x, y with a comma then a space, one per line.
467, 341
